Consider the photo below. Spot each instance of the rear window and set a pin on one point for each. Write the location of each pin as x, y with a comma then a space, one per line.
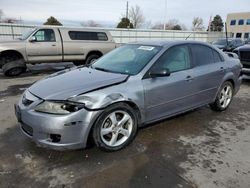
87, 35
202, 55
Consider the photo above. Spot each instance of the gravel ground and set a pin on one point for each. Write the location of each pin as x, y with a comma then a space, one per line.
201, 148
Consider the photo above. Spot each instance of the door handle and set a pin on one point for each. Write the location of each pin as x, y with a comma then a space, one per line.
189, 78
53, 44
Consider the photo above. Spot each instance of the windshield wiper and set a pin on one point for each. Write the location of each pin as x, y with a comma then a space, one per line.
106, 70
100, 69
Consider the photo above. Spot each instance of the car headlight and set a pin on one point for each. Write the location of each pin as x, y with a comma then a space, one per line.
59, 107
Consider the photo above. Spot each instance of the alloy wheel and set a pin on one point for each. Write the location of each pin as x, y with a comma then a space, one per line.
116, 128
226, 96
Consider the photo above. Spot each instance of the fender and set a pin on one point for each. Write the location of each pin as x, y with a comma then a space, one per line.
228, 76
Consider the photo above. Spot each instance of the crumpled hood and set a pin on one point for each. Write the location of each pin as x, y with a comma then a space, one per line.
68, 83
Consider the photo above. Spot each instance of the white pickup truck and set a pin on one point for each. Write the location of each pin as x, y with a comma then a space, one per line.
54, 44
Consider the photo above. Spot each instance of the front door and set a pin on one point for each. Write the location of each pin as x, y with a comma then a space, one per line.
45, 47
169, 95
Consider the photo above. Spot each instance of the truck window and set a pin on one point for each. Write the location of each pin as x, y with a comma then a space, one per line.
86, 35
45, 35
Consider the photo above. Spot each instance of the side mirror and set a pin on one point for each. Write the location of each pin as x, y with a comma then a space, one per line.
159, 73
33, 39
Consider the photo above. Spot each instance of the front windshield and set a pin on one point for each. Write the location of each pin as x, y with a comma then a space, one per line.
129, 59
222, 42
27, 33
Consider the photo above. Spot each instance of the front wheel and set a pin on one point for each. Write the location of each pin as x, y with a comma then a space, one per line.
224, 97
115, 128
14, 68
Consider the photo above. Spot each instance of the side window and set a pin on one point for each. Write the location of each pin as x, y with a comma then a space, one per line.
238, 35
217, 57
241, 22
87, 35
248, 21
233, 22
202, 55
175, 59
246, 35
45, 35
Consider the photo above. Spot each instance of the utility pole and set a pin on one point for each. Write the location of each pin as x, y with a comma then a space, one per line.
127, 11
165, 15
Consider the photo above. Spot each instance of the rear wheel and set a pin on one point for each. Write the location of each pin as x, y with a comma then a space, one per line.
115, 128
92, 58
78, 63
224, 97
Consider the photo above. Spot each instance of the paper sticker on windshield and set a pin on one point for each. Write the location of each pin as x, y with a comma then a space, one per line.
148, 48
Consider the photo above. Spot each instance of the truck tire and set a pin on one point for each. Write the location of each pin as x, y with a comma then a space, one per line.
14, 68
91, 58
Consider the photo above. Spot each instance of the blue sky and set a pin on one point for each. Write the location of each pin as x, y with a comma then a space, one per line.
109, 11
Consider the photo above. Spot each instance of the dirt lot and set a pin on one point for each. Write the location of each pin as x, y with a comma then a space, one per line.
201, 148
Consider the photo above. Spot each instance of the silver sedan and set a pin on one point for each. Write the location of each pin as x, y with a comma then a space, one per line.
131, 86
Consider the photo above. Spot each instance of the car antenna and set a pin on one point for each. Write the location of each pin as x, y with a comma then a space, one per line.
188, 36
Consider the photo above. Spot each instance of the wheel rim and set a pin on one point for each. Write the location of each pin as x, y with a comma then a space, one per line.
116, 128
15, 71
92, 60
226, 96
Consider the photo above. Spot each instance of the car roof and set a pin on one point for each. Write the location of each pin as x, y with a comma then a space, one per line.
164, 43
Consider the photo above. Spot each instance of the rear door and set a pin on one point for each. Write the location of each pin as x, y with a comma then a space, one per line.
169, 95
208, 72
47, 46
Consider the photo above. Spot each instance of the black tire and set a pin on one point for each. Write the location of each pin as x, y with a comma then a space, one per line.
217, 105
96, 131
14, 68
91, 58
78, 63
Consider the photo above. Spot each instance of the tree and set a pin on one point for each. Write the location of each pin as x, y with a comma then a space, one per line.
1, 15
52, 21
172, 24
217, 24
90, 23
157, 25
177, 27
125, 23
9, 20
198, 24
136, 16
183, 27
147, 25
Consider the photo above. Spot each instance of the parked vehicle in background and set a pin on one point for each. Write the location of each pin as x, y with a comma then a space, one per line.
247, 41
228, 45
131, 86
244, 55
54, 44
